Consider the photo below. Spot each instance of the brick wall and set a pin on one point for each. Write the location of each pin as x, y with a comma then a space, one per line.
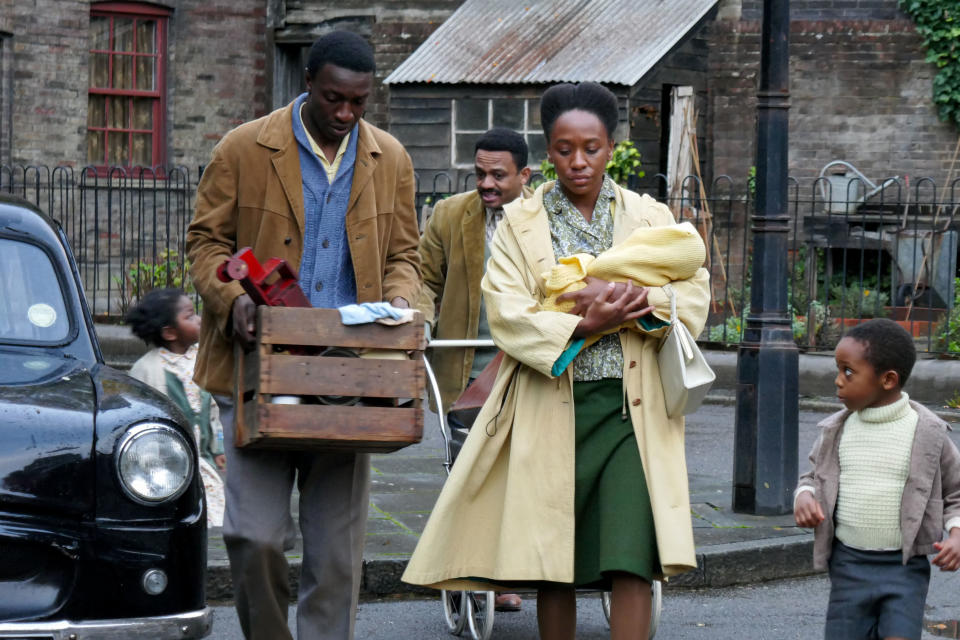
49, 77
830, 10
218, 73
395, 28
215, 76
860, 91
393, 41
6, 78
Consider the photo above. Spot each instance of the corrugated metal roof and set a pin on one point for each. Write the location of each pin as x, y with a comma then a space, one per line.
547, 41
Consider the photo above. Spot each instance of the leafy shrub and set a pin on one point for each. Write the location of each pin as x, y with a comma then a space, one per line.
855, 301
947, 331
166, 270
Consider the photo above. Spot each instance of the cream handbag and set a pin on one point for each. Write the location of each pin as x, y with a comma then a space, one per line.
684, 373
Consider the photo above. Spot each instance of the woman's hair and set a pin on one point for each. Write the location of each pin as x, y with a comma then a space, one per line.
156, 310
886, 346
586, 96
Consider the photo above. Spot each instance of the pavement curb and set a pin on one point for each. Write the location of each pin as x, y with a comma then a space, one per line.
825, 405
719, 565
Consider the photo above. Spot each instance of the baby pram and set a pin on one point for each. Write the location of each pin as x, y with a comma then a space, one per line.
474, 610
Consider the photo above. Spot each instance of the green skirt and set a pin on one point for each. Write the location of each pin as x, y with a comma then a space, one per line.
614, 522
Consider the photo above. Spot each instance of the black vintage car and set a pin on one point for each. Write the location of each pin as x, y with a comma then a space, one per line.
102, 516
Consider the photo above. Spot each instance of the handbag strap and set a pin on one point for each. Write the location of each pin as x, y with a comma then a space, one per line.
682, 336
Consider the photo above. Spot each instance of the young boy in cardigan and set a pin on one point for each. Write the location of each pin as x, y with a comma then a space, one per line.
888, 476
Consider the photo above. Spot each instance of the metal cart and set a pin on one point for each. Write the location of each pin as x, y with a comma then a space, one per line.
474, 610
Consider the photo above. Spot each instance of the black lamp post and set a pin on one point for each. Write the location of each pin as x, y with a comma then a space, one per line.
765, 453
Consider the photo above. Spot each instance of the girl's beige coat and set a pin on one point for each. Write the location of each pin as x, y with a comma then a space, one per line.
506, 511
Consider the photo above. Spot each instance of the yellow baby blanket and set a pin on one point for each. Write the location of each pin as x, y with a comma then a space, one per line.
649, 257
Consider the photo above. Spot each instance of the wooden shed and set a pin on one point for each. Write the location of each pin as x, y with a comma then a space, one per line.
490, 61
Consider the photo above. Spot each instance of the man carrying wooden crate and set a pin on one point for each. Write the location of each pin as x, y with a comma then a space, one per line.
316, 185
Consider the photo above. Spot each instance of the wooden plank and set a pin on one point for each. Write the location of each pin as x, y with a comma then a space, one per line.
245, 374
329, 376
332, 427
322, 328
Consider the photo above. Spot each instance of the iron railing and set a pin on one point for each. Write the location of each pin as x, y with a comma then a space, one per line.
855, 252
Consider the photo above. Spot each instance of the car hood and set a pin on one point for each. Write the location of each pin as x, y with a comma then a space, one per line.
47, 406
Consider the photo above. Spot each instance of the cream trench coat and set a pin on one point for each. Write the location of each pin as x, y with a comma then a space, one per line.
506, 511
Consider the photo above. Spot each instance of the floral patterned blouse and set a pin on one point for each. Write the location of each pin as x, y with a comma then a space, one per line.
570, 233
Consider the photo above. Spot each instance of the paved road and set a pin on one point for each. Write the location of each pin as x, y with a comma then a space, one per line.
782, 610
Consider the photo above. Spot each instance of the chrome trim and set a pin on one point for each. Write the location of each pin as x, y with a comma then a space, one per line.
194, 624
124, 442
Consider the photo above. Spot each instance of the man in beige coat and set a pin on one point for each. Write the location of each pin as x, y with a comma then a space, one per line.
453, 251
508, 507
314, 184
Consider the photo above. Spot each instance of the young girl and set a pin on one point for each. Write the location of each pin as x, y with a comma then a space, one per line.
166, 320
573, 475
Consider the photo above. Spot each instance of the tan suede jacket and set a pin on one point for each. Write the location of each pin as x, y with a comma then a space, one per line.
251, 196
451, 250
931, 495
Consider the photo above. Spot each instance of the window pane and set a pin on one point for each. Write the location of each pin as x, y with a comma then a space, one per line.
146, 36
533, 115
122, 72
538, 149
143, 113
100, 70
96, 111
95, 147
118, 114
142, 149
33, 306
472, 115
145, 72
100, 33
123, 34
508, 113
465, 145
118, 151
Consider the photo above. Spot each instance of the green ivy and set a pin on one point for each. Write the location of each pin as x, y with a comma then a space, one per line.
937, 23
624, 163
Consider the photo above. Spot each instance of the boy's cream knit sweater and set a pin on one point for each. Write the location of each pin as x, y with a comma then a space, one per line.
874, 464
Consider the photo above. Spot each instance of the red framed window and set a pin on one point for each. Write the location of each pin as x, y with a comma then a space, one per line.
126, 98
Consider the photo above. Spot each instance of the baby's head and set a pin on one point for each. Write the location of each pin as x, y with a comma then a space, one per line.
874, 361
165, 318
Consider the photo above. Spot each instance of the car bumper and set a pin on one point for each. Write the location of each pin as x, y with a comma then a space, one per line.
194, 624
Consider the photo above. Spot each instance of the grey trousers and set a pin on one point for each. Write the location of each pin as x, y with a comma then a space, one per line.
334, 497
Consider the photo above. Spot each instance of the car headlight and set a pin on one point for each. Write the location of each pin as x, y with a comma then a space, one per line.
154, 463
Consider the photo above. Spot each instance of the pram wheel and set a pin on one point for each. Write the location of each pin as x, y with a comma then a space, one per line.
480, 614
455, 611
656, 604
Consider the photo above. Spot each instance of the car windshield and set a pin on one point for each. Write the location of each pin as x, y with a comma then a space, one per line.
32, 308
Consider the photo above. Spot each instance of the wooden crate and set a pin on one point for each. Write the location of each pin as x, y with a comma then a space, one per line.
265, 372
